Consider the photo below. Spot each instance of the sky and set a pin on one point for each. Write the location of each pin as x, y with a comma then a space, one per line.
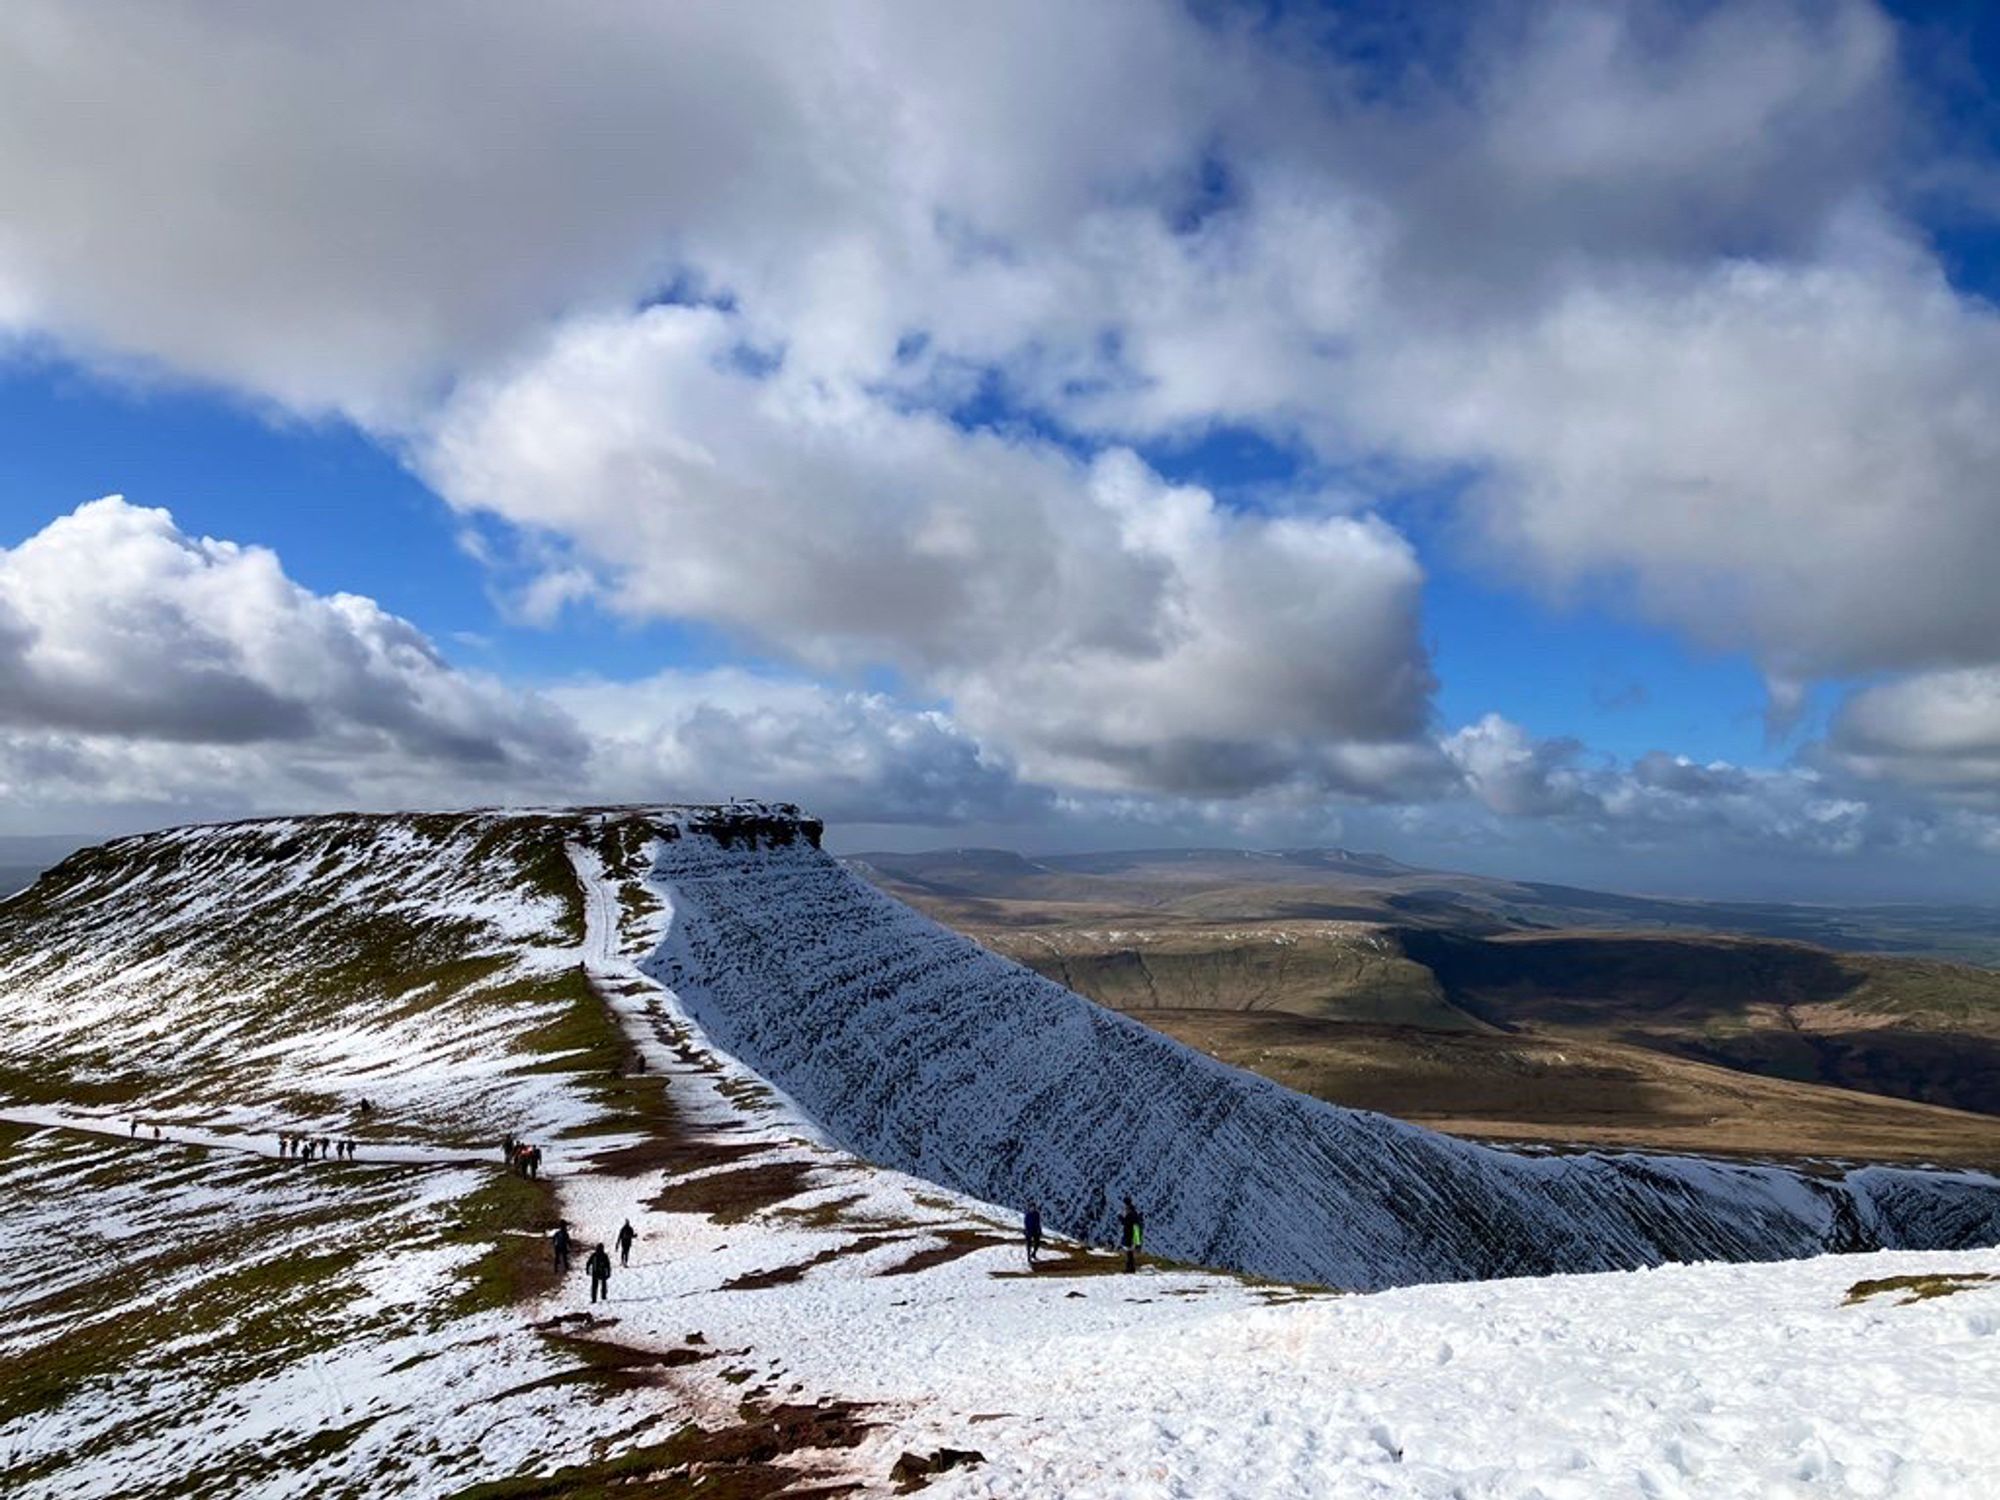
1555, 440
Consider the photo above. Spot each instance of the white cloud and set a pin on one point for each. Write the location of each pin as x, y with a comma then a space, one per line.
1936, 730
848, 756
114, 623
176, 677
1793, 460
1104, 628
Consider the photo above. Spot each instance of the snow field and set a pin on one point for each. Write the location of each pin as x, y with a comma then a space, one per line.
1708, 1380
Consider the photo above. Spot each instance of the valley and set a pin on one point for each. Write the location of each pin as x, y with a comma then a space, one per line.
1322, 970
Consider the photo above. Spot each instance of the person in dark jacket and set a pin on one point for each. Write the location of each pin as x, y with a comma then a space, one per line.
625, 1237
562, 1248
599, 1266
1031, 1231
1131, 1234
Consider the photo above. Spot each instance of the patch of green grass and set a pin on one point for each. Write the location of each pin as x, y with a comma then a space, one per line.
508, 1216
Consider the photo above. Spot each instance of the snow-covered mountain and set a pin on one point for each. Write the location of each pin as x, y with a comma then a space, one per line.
726, 1039
916, 1048
170, 967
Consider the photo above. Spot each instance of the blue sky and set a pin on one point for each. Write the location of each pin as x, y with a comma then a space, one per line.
1552, 437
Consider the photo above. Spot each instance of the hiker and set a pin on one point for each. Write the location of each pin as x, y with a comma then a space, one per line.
156, 1132
1031, 1231
599, 1266
1131, 1234
507, 1150
367, 1108
625, 1237
562, 1248
534, 1161
284, 1145
135, 1130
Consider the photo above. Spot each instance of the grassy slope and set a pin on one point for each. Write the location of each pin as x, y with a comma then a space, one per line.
1564, 1090
154, 1281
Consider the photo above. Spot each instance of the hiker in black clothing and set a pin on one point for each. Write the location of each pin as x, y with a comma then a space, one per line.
507, 1150
1131, 1234
599, 1266
625, 1237
1031, 1231
562, 1247
534, 1161
135, 1130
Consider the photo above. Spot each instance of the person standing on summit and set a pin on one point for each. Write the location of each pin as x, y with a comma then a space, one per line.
599, 1266
1131, 1234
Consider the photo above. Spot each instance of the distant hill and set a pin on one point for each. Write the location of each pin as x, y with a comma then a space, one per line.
1262, 959
996, 888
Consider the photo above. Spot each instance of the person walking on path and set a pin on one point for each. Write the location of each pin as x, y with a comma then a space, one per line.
625, 1237
1031, 1231
599, 1266
135, 1130
534, 1162
1131, 1234
562, 1248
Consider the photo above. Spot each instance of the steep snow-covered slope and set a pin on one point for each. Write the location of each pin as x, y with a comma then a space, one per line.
918, 1049
272, 975
196, 1316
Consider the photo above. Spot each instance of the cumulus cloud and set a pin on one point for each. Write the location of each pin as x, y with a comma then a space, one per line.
1109, 630
1666, 800
1937, 730
340, 209
115, 623
1793, 460
852, 757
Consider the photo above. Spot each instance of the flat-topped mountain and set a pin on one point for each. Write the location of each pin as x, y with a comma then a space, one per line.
307, 962
719, 1032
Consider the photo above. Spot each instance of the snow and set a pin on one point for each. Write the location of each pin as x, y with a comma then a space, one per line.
911, 1046
792, 1016
1700, 1380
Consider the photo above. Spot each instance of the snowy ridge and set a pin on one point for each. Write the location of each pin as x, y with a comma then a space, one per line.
920, 1050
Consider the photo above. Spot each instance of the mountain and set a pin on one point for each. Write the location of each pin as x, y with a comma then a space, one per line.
820, 1109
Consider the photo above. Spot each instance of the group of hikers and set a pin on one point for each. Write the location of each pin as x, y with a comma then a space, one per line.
523, 1159
314, 1148
1131, 1237
599, 1262
1131, 1234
